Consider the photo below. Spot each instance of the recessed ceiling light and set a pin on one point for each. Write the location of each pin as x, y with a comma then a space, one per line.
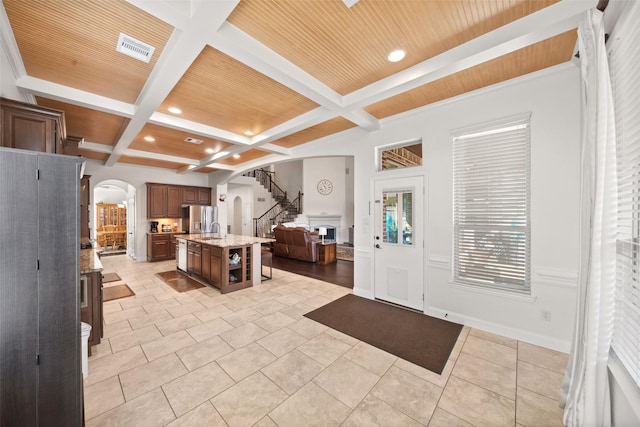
175, 110
248, 133
236, 156
210, 150
149, 138
396, 55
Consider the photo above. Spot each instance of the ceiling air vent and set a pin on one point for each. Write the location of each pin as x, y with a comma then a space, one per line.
134, 48
193, 140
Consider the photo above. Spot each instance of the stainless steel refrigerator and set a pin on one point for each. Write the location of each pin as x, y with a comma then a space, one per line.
200, 219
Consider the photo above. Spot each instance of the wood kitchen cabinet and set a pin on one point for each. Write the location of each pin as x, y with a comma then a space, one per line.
206, 264
204, 196
174, 201
172, 246
30, 127
216, 266
165, 200
157, 200
91, 305
194, 258
189, 196
158, 247
161, 246
196, 196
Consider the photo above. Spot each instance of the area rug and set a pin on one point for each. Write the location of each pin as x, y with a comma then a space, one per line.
110, 293
178, 281
415, 337
344, 252
110, 277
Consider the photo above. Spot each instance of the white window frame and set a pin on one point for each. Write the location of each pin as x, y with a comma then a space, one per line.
624, 63
491, 199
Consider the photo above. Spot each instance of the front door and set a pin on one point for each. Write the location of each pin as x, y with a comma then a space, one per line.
398, 241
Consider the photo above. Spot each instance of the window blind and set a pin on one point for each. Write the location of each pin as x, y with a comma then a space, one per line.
624, 64
491, 168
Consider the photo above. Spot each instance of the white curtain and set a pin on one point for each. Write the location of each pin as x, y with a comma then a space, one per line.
585, 390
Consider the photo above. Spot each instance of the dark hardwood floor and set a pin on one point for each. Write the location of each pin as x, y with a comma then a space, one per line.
338, 273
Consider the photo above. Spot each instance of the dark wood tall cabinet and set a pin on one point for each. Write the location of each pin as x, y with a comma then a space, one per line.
31, 127
40, 342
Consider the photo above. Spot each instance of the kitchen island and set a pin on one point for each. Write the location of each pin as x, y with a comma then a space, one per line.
228, 263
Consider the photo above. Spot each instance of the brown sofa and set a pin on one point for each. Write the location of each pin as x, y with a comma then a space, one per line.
297, 243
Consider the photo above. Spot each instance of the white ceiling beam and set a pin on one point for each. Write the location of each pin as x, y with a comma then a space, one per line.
159, 156
10, 47
198, 128
75, 96
298, 123
98, 148
183, 48
541, 25
276, 149
238, 45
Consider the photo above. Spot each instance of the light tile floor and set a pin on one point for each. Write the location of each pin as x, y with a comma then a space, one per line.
247, 358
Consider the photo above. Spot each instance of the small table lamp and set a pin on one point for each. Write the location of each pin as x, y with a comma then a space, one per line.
323, 232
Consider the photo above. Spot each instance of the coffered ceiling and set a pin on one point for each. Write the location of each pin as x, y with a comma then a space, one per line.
259, 77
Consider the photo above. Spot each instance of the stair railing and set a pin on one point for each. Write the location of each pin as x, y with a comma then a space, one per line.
267, 180
273, 216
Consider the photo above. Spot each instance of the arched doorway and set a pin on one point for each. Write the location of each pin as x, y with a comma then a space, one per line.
113, 217
237, 216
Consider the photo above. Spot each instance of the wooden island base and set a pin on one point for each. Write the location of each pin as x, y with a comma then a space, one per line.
229, 264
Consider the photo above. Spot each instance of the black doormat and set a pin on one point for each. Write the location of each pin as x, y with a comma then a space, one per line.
415, 337
179, 281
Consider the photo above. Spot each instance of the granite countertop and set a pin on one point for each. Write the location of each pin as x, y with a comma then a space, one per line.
165, 232
226, 241
89, 261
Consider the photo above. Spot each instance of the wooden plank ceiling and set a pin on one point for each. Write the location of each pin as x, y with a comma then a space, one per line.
259, 78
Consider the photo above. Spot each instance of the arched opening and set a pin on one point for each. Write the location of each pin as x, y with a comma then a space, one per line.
237, 216
113, 217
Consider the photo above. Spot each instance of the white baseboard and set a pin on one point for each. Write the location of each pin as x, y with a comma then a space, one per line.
514, 333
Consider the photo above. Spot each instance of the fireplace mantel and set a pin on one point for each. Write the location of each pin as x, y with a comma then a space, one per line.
329, 220
322, 217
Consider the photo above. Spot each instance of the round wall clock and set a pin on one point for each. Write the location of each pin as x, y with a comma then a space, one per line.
325, 186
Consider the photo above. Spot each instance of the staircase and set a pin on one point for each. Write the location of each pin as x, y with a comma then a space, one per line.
284, 210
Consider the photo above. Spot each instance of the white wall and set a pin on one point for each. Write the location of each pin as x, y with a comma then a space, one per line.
137, 176
246, 194
334, 203
288, 176
113, 195
348, 193
552, 96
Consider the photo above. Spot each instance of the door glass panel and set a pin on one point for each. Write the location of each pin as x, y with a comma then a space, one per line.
398, 218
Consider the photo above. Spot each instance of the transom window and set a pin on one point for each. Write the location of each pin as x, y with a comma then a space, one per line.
401, 156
